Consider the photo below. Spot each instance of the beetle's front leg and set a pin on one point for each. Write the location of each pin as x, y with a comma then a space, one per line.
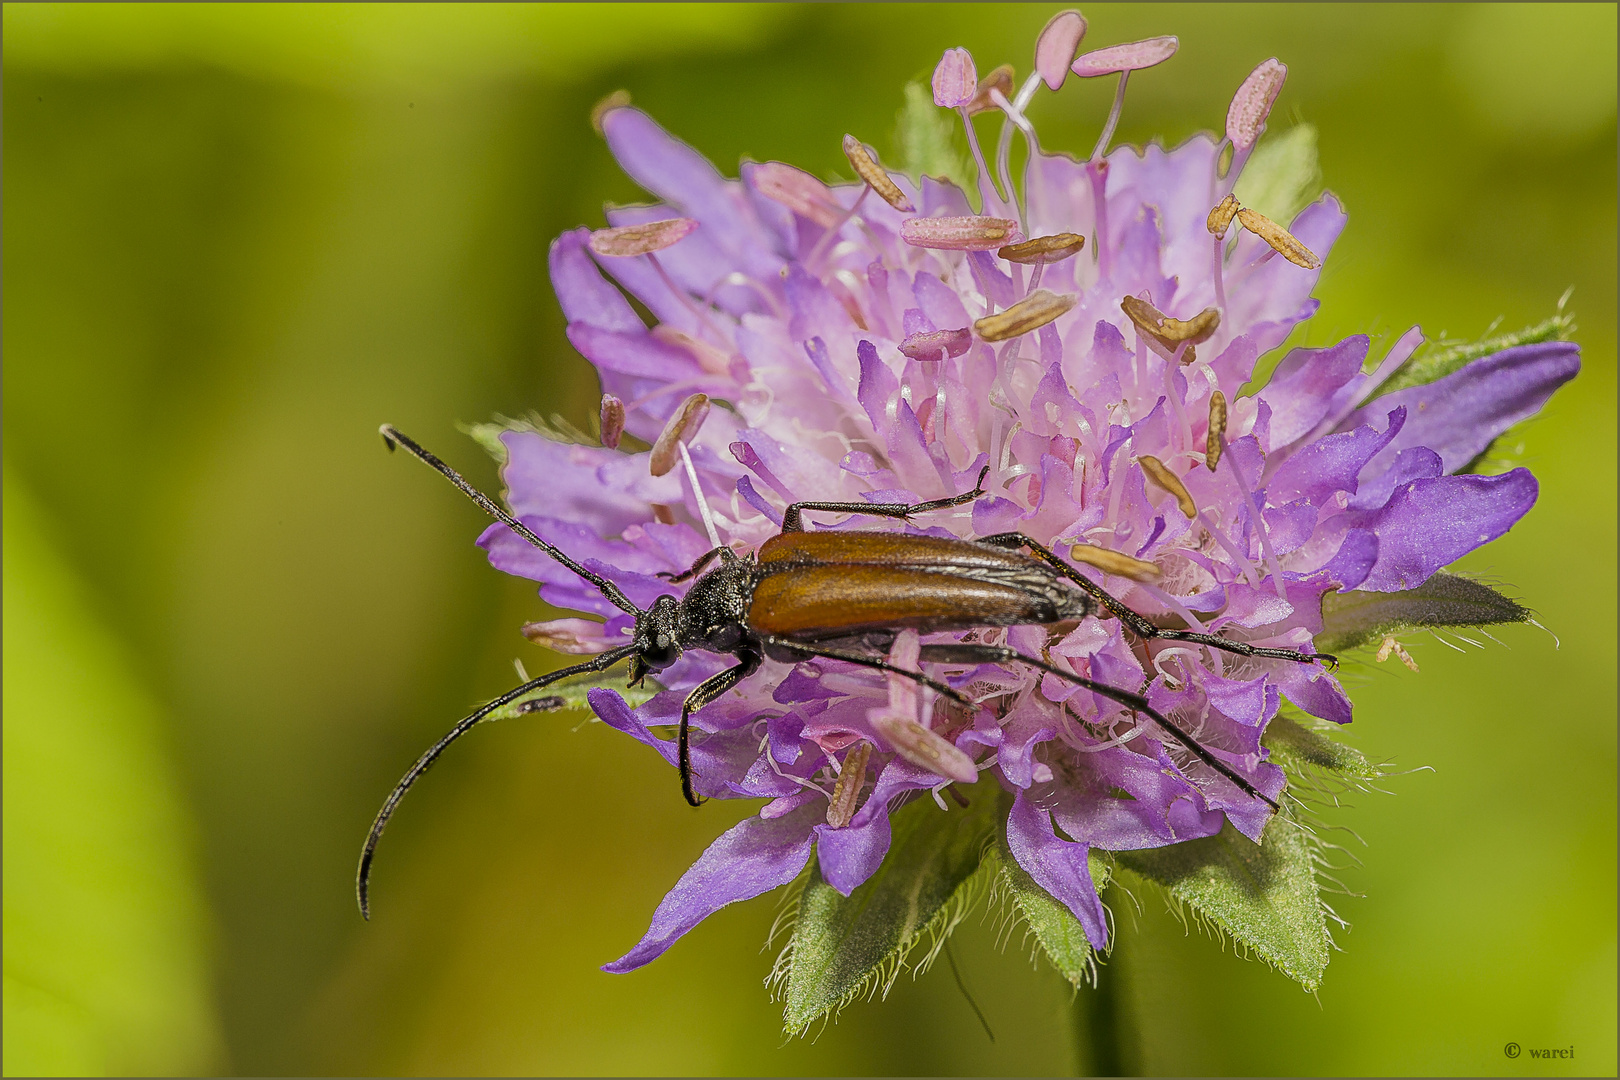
708, 690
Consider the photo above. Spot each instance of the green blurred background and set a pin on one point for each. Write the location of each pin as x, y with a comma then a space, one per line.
238, 238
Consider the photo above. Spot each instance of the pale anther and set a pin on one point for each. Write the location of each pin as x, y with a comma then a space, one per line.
1116, 563
955, 79
628, 240
1216, 437
1196, 329
1055, 48
709, 358
612, 421
1281, 240
1162, 477
925, 749
1132, 56
1221, 217
797, 190
867, 168
1031, 313
965, 233
1150, 321
848, 789
936, 344
683, 425
1246, 117
576, 637
1044, 249
1390, 645
1000, 79
616, 100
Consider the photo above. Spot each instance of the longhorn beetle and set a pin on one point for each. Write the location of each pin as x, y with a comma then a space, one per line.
837, 595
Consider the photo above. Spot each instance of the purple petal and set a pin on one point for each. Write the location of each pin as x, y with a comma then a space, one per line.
1058, 866
680, 175
752, 857
851, 855
1331, 464
1431, 523
1301, 390
1459, 415
585, 295
1414, 463
1316, 691
562, 480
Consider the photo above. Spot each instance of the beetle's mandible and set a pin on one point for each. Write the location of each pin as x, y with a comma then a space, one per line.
840, 595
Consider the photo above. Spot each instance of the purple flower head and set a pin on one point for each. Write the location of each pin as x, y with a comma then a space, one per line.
811, 343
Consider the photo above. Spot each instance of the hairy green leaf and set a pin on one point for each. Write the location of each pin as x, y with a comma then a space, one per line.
843, 947
925, 139
1430, 364
571, 694
1359, 618
1297, 748
1264, 895
1059, 933
1282, 176
557, 429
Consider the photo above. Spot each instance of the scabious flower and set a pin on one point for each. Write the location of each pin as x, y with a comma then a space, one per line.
1088, 335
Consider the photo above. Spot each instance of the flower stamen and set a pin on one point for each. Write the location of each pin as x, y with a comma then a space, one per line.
937, 344
612, 421
1030, 313
1163, 478
965, 233
1281, 240
1043, 249
1390, 645
682, 426
625, 241
1116, 563
1215, 437
841, 807
867, 168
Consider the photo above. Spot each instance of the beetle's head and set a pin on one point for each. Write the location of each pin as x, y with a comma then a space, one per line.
658, 639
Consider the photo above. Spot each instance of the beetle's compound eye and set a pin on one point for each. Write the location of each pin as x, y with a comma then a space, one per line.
660, 653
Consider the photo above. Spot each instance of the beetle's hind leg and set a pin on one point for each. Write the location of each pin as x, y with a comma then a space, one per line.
1139, 625
792, 519
786, 648
996, 654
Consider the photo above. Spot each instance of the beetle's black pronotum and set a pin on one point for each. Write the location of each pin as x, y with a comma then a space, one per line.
840, 595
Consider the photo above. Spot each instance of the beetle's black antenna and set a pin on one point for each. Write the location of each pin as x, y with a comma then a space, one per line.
425, 762
392, 437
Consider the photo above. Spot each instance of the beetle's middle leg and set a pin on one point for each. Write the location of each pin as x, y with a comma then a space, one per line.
792, 518
1135, 622
995, 654
707, 690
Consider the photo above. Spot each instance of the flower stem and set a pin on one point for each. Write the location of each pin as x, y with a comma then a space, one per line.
1105, 1037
